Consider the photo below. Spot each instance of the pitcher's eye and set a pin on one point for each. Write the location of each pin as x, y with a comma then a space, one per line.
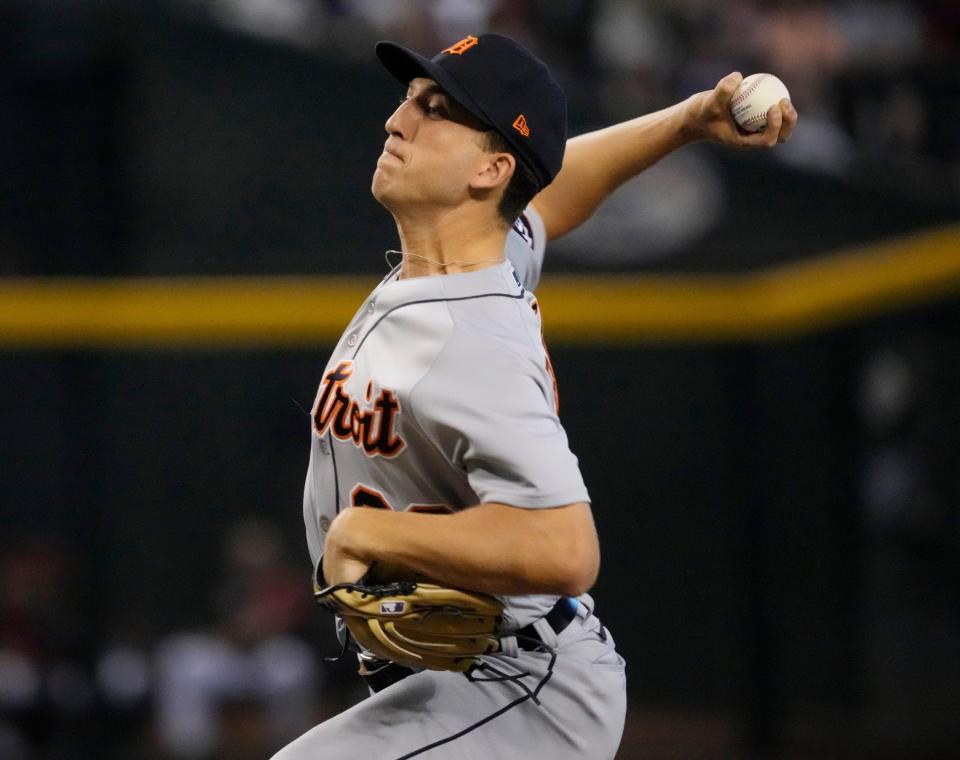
436, 108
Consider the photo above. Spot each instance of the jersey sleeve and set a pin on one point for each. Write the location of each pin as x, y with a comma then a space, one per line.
492, 417
525, 247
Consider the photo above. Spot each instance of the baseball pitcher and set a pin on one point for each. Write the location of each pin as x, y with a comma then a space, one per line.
446, 516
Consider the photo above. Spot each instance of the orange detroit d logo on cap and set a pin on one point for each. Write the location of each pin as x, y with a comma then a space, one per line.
459, 48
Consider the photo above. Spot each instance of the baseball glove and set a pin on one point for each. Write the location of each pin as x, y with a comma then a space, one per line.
420, 625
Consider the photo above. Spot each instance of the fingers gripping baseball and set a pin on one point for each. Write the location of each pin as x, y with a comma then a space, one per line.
723, 92
781, 119
714, 119
713, 114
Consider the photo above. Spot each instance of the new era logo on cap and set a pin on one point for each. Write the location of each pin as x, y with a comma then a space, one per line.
520, 124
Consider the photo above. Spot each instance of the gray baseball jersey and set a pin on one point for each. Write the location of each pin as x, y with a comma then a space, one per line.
440, 396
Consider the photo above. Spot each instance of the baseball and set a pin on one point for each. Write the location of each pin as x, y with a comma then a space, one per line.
753, 98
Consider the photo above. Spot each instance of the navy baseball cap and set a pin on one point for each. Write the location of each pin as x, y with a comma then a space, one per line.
501, 83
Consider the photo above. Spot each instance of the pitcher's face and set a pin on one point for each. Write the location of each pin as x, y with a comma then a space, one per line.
432, 152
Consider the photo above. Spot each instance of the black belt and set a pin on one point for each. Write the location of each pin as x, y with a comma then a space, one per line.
562, 614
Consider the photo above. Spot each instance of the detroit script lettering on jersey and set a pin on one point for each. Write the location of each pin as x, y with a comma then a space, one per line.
370, 429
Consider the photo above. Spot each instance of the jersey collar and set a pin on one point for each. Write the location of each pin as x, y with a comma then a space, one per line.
500, 279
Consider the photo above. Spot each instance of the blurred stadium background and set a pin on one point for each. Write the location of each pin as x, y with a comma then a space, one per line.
759, 359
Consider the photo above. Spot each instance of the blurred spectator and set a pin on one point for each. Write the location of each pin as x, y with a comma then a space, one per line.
298, 22
43, 681
250, 657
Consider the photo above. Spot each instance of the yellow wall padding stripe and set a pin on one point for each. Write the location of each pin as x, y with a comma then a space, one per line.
178, 311
289, 311
781, 301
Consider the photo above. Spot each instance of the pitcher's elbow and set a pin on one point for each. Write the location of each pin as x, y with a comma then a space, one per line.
580, 572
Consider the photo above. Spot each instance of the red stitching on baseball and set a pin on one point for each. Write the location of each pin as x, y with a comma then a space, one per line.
750, 88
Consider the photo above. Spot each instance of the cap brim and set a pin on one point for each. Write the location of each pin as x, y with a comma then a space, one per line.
406, 65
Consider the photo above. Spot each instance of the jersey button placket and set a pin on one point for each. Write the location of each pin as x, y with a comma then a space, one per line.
352, 340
